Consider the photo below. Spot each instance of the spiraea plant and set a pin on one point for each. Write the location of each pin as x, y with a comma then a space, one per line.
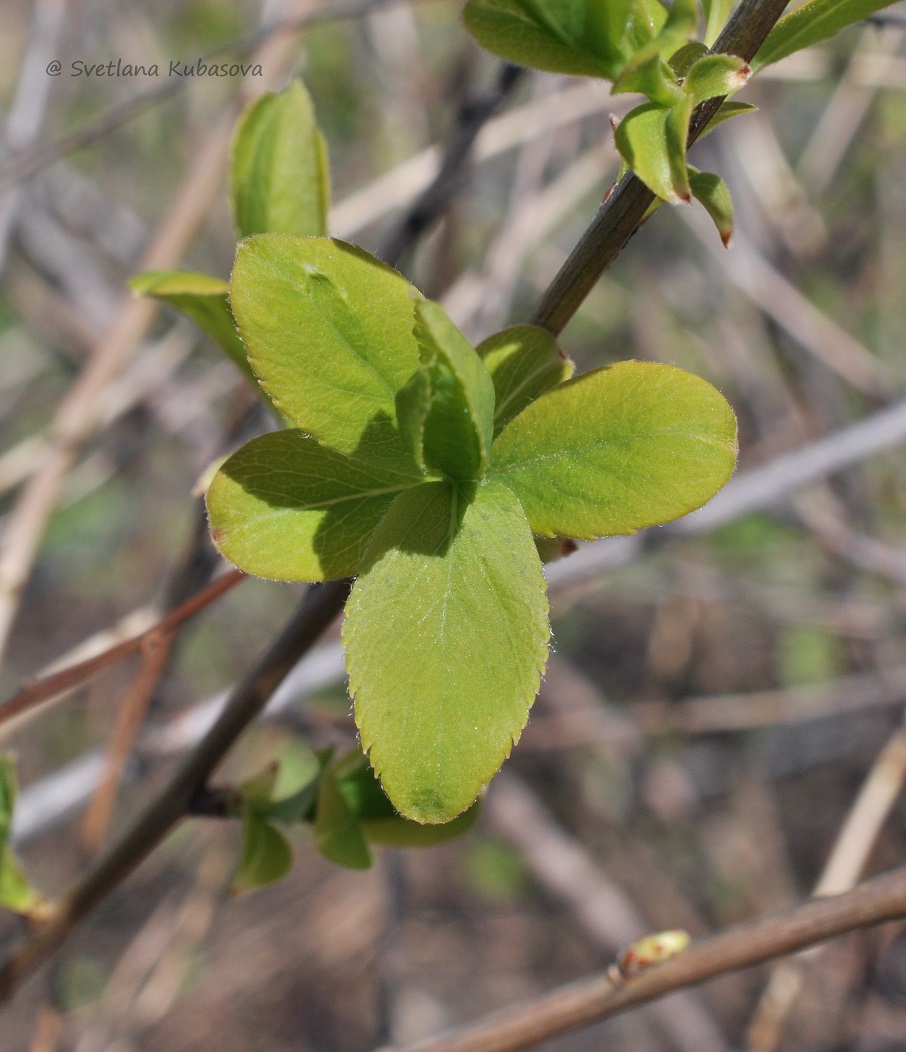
431, 471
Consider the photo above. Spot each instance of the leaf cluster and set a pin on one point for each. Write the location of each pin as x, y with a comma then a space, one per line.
342, 802
653, 49
423, 467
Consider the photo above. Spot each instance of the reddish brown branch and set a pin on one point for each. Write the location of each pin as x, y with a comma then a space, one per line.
40, 690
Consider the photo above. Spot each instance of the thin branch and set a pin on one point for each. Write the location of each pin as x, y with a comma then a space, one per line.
474, 115
622, 212
42, 690
320, 607
593, 999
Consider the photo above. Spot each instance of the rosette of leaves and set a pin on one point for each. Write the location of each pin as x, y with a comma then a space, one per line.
338, 797
423, 466
652, 48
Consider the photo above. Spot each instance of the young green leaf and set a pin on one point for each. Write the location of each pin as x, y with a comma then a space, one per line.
266, 855
683, 60
561, 36
524, 361
279, 177
715, 75
679, 26
16, 891
728, 109
338, 831
203, 300
446, 636
379, 819
287, 508
452, 413
654, 79
810, 23
631, 445
641, 138
716, 14
676, 135
714, 194
328, 329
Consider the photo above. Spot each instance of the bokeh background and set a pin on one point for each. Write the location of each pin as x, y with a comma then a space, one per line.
720, 728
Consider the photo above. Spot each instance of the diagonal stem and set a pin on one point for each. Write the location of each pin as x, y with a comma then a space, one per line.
620, 215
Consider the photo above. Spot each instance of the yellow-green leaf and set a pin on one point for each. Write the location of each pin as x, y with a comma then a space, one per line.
287, 508
328, 329
810, 23
452, 415
279, 175
631, 445
203, 300
446, 636
524, 361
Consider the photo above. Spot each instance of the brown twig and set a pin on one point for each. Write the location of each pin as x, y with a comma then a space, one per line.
39, 691
320, 607
596, 998
155, 656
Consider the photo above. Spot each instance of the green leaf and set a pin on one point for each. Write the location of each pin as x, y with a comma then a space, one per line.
653, 78
727, 110
260, 788
714, 194
716, 14
446, 411
364, 799
560, 36
393, 830
266, 855
683, 60
16, 891
328, 329
446, 636
524, 361
279, 177
338, 832
287, 508
624, 447
641, 138
203, 300
676, 132
715, 75
810, 23
679, 26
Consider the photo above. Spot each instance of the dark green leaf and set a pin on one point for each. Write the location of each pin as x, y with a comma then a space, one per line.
266, 855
